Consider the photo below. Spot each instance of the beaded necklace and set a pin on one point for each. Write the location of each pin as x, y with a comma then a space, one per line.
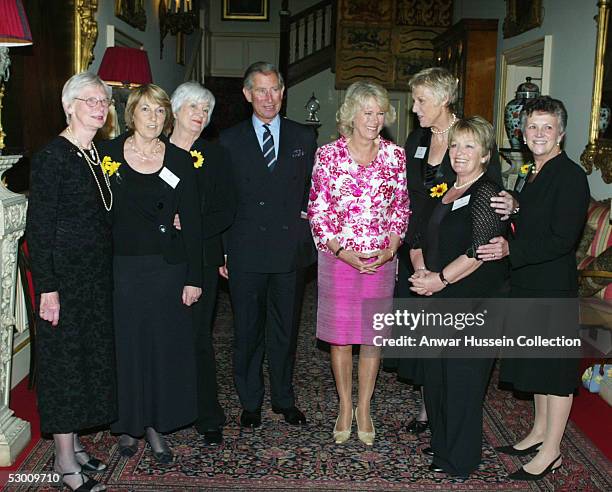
91, 162
461, 186
436, 132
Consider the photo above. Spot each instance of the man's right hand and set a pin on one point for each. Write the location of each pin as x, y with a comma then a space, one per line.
50, 307
223, 269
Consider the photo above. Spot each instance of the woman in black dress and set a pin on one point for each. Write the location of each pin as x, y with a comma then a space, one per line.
157, 275
69, 237
553, 209
428, 172
460, 222
192, 106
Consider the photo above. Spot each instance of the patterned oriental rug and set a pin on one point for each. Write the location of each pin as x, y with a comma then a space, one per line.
280, 457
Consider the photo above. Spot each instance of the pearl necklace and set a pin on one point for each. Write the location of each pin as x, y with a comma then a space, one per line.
459, 187
91, 163
436, 132
141, 154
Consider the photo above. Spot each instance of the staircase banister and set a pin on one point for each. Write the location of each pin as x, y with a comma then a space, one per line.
306, 12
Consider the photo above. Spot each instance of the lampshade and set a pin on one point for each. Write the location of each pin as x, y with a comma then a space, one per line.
125, 66
14, 27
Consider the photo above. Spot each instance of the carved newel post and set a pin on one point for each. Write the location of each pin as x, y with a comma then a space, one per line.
14, 432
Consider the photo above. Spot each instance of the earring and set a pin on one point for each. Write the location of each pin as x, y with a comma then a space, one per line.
558, 143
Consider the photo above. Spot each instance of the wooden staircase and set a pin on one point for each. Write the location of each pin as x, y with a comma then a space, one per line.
307, 41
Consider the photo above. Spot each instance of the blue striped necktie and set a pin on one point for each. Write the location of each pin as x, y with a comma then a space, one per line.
268, 148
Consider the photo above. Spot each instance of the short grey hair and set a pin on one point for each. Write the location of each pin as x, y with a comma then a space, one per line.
439, 81
75, 84
358, 95
264, 68
544, 104
192, 91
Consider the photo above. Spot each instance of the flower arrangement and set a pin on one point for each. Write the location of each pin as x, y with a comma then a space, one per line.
438, 190
109, 166
198, 158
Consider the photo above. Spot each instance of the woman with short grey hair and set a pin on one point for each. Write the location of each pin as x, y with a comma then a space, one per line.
192, 106
69, 237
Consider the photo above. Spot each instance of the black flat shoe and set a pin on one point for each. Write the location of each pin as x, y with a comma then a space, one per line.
293, 415
417, 426
163, 457
428, 451
250, 419
212, 437
512, 451
127, 451
521, 474
94, 465
435, 469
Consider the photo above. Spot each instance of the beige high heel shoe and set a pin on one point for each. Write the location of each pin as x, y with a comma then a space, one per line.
365, 437
343, 436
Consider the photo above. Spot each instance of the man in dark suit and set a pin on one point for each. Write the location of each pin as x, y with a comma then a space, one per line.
268, 244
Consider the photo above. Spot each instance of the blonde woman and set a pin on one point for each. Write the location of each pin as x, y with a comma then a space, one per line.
358, 213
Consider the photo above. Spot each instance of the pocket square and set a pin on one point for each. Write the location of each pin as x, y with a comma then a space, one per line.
297, 153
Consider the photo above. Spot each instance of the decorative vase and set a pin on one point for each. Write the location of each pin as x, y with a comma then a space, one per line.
512, 120
604, 117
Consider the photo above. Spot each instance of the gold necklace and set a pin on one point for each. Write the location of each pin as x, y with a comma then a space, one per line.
436, 132
91, 163
459, 187
141, 154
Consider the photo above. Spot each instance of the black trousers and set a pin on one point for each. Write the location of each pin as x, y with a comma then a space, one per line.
210, 414
265, 324
454, 394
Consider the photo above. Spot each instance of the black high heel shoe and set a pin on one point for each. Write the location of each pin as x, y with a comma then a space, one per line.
521, 474
94, 465
417, 426
512, 451
87, 483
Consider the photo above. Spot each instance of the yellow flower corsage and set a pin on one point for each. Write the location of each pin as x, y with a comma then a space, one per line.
109, 166
524, 170
198, 158
438, 190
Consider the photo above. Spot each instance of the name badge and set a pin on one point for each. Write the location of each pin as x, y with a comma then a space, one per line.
462, 202
169, 177
420, 152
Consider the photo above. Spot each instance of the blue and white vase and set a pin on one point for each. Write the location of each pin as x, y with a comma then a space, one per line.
512, 120
604, 117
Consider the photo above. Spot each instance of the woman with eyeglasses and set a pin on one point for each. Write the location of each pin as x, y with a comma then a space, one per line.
157, 275
69, 237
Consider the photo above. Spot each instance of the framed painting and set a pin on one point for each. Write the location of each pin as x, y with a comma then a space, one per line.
247, 10
521, 16
132, 12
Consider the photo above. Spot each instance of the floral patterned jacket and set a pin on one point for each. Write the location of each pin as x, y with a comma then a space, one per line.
360, 206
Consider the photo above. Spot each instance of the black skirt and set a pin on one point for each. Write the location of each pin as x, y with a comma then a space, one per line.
156, 375
541, 376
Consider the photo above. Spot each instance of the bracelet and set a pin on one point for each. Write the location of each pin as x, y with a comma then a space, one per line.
516, 211
420, 268
338, 251
393, 252
444, 281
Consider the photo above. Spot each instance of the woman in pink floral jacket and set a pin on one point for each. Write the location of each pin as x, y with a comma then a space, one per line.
358, 213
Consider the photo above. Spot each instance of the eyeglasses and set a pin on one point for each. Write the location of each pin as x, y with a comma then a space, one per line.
262, 93
92, 102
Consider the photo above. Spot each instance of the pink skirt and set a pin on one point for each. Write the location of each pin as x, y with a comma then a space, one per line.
348, 299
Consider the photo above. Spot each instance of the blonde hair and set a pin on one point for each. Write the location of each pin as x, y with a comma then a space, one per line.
357, 96
154, 94
480, 129
439, 81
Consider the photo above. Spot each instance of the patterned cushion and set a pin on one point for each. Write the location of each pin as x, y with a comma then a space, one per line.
596, 239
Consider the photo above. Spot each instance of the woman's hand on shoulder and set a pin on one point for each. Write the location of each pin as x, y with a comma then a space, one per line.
50, 307
191, 295
504, 204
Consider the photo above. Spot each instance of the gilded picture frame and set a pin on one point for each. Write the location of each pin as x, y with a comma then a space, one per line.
245, 10
598, 151
522, 16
